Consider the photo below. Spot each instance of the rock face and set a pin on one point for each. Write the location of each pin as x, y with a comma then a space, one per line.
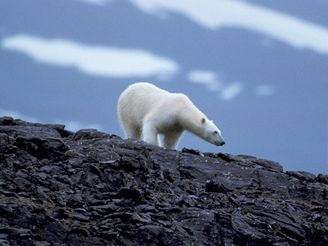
91, 188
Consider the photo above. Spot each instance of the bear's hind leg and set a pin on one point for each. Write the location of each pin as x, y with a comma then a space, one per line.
132, 132
171, 139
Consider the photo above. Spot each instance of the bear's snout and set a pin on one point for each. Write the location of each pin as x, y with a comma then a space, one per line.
221, 143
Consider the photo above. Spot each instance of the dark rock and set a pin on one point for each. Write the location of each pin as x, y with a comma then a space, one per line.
322, 178
211, 186
88, 134
269, 164
6, 211
168, 175
4, 140
49, 148
91, 188
127, 164
61, 130
225, 157
302, 175
6, 120
130, 193
16, 232
80, 217
192, 151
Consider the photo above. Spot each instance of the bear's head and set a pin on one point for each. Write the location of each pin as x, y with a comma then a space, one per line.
211, 133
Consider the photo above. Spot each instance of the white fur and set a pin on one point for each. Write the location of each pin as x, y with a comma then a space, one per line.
145, 111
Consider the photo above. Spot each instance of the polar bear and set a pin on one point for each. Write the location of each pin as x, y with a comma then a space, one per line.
145, 111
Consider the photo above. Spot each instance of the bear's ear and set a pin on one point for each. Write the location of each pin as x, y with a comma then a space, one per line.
203, 120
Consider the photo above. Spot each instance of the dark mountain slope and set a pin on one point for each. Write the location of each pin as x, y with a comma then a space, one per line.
91, 188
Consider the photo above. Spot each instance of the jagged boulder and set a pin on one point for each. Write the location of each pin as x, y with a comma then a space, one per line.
90, 188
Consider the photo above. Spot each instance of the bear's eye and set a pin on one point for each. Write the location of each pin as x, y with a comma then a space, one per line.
215, 132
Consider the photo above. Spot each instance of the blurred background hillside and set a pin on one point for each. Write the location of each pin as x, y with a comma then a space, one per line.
257, 68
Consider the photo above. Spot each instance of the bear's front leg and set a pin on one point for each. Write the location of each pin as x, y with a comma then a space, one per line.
150, 134
171, 139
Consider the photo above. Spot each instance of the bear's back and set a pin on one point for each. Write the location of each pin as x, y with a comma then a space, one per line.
139, 99
144, 93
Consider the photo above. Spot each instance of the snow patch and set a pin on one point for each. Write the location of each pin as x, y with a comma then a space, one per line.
264, 90
215, 14
92, 60
209, 79
96, 2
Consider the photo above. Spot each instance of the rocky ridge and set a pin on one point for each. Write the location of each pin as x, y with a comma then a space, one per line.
90, 188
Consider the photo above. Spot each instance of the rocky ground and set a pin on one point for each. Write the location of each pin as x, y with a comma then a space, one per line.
91, 188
